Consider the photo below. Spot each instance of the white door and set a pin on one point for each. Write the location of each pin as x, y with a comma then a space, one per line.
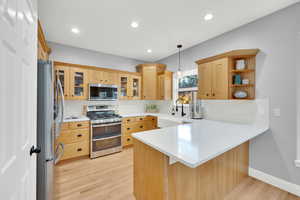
18, 77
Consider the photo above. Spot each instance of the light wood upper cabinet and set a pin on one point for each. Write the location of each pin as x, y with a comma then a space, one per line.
103, 77
205, 81
150, 80
130, 87
135, 87
63, 74
220, 78
165, 86
149, 83
78, 84
43, 49
213, 80
220, 82
124, 86
95, 76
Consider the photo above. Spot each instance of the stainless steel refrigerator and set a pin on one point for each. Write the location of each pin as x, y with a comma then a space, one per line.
50, 107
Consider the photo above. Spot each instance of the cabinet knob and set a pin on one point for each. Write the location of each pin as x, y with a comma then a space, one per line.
79, 149
128, 139
213, 94
79, 135
79, 125
128, 128
128, 120
141, 126
207, 94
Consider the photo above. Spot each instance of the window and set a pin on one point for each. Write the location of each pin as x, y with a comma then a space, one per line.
186, 84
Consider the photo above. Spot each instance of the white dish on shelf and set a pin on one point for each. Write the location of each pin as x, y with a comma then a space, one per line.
240, 94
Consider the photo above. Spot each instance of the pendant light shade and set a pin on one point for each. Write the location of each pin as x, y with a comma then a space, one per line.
179, 46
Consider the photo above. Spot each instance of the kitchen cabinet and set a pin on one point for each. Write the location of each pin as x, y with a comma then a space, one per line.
95, 76
150, 74
216, 75
135, 87
73, 80
165, 86
136, 124
42, 47
130, 87
63, 74
76, 139
213, 80
78, 87
103, 77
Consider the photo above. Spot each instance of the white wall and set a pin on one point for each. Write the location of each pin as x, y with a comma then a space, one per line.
275, 151
75, 55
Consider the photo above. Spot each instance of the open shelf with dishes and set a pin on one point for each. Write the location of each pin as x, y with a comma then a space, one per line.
242, 77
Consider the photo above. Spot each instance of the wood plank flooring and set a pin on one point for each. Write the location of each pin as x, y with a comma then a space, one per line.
111, 178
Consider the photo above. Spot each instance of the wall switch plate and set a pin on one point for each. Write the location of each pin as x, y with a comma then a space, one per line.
276, 112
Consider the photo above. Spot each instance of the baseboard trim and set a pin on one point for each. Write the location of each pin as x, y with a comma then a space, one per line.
297, 163
277, 182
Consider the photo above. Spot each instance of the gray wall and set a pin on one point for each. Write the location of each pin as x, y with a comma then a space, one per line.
75, 55
275, 35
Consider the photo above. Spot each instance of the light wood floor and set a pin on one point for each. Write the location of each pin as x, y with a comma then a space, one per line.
111, 178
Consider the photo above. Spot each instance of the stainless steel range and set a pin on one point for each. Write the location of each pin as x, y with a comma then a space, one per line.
105, 130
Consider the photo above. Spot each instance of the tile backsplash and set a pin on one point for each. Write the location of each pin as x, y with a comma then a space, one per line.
73, 107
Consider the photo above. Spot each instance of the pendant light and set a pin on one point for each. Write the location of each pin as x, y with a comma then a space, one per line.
179, 46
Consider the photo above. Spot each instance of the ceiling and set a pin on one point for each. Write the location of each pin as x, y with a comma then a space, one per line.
105, 24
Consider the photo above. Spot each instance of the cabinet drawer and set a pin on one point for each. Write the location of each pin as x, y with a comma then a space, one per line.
76, 149
128, 120
71, 136
127, 129
127, 140
141, 118
76, 125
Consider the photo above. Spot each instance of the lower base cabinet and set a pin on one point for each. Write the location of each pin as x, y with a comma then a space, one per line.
132, 125
76, 139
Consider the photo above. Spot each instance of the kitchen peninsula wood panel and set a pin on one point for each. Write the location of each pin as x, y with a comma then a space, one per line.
212, 180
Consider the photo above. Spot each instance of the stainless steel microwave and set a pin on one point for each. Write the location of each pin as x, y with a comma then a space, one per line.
103, 92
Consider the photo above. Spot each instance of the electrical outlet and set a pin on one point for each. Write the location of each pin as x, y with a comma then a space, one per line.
276, 112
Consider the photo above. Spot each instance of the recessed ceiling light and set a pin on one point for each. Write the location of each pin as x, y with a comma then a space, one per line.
134, 24
149, 50
208, 16
75, 30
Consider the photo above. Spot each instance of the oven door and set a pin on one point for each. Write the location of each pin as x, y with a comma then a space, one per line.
106, 138
102, 92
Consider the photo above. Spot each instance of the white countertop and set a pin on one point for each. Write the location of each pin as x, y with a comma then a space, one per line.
162, 116
194, 144
76, 118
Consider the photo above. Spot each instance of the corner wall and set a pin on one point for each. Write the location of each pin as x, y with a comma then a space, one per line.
275, 151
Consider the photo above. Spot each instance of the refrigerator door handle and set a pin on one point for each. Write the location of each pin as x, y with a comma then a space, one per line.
59, 154
62, 102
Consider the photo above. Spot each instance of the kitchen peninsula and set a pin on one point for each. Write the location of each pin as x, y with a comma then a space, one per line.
202, 160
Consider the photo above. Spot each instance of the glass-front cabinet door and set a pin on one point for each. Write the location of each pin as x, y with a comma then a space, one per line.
135, 87
78, 86
124, 86
62, 73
